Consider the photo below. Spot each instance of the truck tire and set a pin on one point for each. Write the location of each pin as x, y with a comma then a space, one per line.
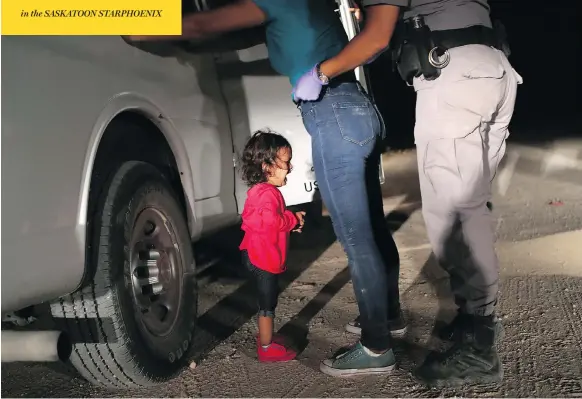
132, 325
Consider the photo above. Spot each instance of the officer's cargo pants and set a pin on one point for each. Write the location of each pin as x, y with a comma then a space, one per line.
462, 121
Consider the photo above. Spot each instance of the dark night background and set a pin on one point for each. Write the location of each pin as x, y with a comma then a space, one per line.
546, 40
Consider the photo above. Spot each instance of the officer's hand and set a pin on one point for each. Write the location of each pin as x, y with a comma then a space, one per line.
150, 38
140, 38
357, 13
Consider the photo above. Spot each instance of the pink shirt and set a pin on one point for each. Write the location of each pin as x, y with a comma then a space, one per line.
267, 225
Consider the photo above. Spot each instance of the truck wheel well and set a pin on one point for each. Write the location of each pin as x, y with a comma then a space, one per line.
130, 136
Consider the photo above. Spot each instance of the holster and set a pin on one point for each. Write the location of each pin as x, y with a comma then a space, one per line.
410, 52
411, 47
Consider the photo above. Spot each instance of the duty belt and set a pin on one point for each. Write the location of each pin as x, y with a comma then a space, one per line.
419, 51
448, 39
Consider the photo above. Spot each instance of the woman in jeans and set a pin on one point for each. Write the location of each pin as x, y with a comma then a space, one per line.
346, 131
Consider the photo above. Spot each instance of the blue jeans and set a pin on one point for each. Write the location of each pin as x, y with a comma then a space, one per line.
346, 133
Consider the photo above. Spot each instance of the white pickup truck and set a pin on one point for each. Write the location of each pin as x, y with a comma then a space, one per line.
115, 159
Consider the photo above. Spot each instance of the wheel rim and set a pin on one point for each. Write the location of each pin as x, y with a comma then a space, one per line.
155, 272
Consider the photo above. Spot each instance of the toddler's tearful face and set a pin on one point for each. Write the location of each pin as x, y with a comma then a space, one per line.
278, 171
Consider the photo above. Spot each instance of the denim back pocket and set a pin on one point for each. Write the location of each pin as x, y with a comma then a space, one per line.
356, 121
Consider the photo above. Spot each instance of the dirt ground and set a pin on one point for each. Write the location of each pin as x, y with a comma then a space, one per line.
540, 305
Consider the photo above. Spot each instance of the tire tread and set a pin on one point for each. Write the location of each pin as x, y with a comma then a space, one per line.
102, 361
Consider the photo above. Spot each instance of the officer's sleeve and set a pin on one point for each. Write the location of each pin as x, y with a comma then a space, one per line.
400, 3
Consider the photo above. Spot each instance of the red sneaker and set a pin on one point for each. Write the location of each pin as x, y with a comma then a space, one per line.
276, 338
275, 353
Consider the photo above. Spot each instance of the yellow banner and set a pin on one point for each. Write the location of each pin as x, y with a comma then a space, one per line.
91, 17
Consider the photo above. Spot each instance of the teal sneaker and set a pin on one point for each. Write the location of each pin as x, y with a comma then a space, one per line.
359, 361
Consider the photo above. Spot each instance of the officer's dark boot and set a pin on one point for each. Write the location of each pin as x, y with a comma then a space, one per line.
473, 358
453, 330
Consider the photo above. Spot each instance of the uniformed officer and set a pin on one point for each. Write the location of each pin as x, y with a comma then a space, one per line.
466, 90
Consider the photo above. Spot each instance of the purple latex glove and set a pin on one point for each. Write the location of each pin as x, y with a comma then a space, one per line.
308, 87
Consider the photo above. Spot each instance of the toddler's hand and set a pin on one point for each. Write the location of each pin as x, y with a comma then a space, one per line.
300, 215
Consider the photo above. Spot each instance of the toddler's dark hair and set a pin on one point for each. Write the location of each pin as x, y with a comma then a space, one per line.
261, 149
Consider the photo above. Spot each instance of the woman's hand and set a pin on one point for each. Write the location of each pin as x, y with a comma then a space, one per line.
308, 87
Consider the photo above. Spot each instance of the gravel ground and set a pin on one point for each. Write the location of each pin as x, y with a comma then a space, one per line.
538, 224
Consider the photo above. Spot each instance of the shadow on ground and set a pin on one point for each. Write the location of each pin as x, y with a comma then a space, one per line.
236, 309
541, 353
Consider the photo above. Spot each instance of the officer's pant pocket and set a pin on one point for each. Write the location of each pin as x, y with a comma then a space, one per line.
357, 121
464, 106
455, 171
443, 113
489, 70
439, 166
